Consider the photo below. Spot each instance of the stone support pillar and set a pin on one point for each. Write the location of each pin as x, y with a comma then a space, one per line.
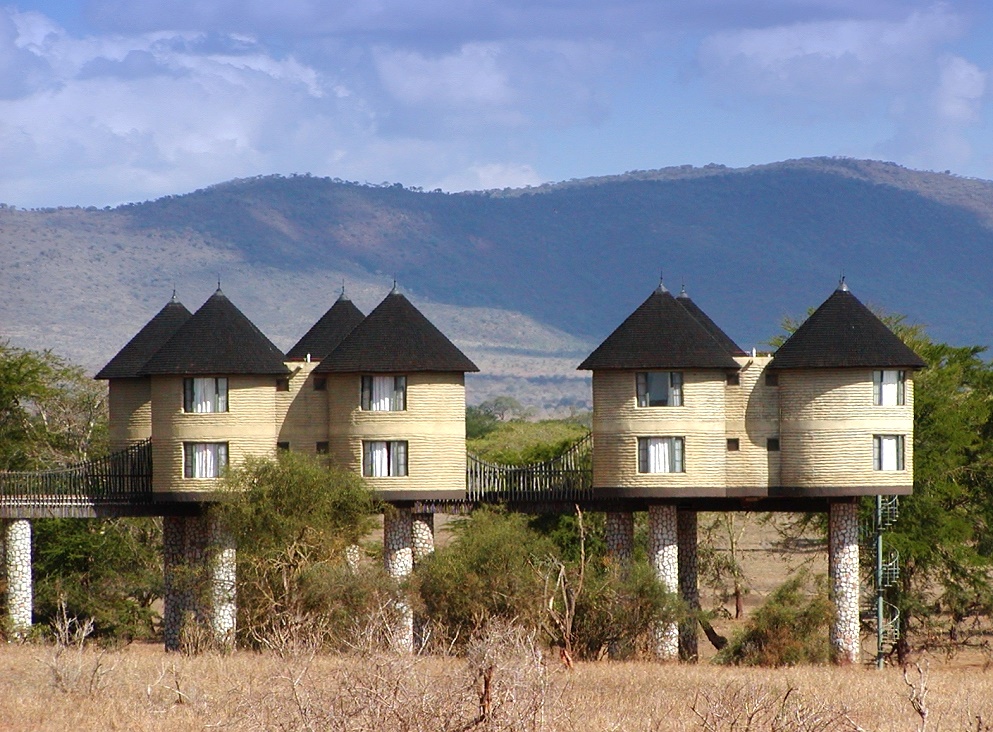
689, 588
620, 537
398, 559
17, 556
664, 556
353, 557
843, 545
422, 536
222, 566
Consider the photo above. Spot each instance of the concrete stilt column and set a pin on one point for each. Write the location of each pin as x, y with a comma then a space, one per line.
17, 556
398, 559
222, 564
353, 557
689, 589
664, 556
422, 535
620, 536
843, 543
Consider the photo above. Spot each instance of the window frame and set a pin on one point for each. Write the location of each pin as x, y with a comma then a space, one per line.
879, 393
676, 447
674, 389
219, 402
397, 399
878, 453
222, 453
397, 458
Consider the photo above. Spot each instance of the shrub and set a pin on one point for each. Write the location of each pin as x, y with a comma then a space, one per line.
485, 572
790, 628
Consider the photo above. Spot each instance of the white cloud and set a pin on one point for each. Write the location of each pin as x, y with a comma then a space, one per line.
961, 86
472, 75
828, 61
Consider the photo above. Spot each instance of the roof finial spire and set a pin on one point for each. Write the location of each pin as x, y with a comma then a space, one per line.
342, 296
662, 282
682, 289
841, 283
218, 281
395, 290
174, 298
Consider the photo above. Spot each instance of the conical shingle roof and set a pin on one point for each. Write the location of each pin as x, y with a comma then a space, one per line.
844, 333
703, 319
130, 359
660, 334
395, 337
327, 332
217, 339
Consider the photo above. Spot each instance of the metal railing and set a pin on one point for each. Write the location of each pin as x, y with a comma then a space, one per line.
568, 477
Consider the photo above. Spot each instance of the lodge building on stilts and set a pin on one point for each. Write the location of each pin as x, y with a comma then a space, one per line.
683, 421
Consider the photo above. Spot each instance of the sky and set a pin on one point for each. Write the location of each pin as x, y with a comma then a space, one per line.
108, 101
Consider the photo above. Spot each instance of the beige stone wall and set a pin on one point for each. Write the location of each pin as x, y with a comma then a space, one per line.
433, 425
828, 420
249, 427
618, 422
302, 412
752, 419
130, 407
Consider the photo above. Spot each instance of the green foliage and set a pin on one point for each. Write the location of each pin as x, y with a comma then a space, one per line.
485, 572
293, 519
479, 423
620, 608
790, 628
519, 443
109, 570
51, 413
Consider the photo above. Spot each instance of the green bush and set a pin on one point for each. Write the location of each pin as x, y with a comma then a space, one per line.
485, 572
790, 628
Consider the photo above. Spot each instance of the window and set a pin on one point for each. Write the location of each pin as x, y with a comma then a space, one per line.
889, 388
660, 455
204, 395
384, 393
283, 446
204, 459
772, 444
887, 452
282, 384
384, 459
660, 389
734, 379
771, 378
734, 444
322, 448
320, 383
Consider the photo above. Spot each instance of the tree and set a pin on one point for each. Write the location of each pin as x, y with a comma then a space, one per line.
292, 519
51, 413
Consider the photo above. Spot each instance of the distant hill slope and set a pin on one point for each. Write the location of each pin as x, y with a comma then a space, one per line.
551, 270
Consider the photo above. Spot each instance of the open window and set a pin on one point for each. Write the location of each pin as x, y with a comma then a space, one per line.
660, 389
384, 393
384, 459
203, 395
660, 455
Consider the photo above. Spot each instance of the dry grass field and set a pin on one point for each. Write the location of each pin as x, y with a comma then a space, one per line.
143, 688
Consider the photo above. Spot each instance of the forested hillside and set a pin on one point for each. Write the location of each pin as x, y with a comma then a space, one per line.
525, 280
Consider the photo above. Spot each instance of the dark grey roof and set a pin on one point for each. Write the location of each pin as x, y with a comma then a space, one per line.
130, 359
844, 333
327, 332
660, 334
703, 319
217, 339
395, 337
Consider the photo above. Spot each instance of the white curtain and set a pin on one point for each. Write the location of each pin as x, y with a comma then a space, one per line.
659, 459
382, 394
203, 396
379, 459
890, 388
209, 458
889, 452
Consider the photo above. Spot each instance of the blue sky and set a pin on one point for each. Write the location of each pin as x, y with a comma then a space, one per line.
108, 101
